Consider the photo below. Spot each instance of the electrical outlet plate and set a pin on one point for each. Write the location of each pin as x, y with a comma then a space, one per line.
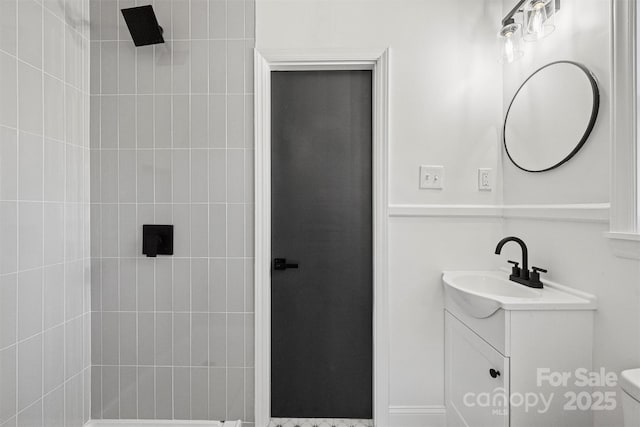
432, 177
485, 179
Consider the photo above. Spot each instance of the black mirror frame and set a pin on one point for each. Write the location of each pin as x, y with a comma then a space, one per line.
592, 120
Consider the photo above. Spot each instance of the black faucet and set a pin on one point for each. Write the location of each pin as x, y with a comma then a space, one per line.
522, 275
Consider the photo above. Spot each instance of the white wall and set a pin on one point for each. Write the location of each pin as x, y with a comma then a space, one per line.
445, 110
575, 253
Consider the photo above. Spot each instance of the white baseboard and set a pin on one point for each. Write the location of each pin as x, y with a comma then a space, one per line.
417, 416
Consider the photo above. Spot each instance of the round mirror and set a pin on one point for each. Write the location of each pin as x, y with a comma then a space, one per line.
551, 116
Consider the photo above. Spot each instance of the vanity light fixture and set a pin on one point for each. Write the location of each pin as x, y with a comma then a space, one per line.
538, 19
509, 43
537, 23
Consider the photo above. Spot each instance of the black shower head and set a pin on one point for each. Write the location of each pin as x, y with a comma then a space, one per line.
143, 25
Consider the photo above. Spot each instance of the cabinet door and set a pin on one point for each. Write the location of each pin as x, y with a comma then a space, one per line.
477, 379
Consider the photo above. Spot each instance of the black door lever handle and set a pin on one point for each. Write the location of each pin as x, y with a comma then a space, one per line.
281, 264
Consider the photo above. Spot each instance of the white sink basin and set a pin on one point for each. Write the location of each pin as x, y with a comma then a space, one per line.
482, 293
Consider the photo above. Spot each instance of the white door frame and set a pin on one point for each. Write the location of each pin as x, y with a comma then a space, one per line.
289, 60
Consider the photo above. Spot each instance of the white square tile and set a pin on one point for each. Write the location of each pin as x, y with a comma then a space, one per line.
235, 121
126, 121
218, 66
235, 176
163, 175
235, 230
199, 121
108, 122
73, 164
30, 98
109, 233
181, 122
218, 176
8, 310
53, 49
127, 176
109, 176
29, 374
144, 121
53, 292
30, 32
199, 176
53, 215
218, 121
30, 148
127, 227
8, 164
54, 108
181, 176
144, 69
199, 230
8, 28
235, 66
95, 113
29, 303
54, 170
182, 230
250, 19
126, 68
8, 90
218, 230
145, 173
180, 13
109, 19
73, 115
109, 66
199, 19
72, 73
163, 121
95, 66
8, 237
218, 19
235, 19
181, 55
199, 56
163, 67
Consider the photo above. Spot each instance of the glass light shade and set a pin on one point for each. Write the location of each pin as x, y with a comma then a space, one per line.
509, 46
539, 17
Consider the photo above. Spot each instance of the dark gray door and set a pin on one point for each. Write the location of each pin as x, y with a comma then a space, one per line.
322, 335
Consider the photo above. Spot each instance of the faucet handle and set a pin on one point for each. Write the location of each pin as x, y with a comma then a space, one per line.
535, 276
515, 270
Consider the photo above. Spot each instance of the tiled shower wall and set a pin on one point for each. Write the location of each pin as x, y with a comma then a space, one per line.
172, 143
44, 213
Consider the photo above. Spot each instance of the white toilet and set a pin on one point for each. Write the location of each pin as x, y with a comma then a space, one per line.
630, 384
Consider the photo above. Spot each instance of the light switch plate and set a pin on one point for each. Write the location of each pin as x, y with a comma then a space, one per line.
485, 179
432, 177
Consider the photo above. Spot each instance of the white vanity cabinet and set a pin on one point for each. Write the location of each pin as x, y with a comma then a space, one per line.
492, 365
